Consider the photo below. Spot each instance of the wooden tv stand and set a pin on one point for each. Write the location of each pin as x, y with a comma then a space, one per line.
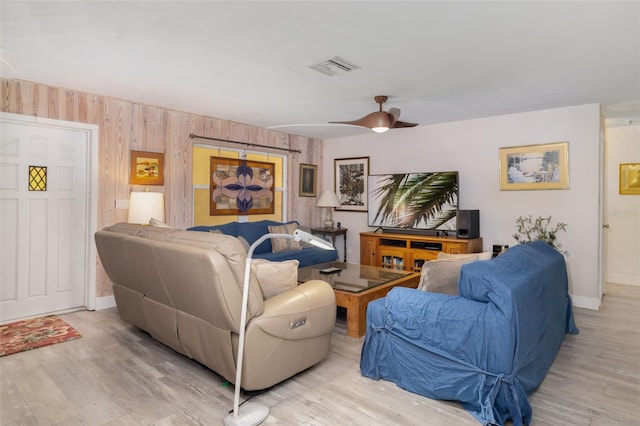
409, 252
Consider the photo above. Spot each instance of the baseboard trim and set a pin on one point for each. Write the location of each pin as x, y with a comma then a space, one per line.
105, 302
586, 302
623, 279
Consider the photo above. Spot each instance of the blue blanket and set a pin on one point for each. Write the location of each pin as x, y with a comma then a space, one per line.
488, 348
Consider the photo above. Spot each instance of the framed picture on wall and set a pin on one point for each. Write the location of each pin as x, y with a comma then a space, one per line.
533, 167
240, 187
308, 177
351, 176
630, 179
147, 168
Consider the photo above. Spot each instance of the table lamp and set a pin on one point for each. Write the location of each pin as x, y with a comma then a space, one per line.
145, 205
329, 200
254, 413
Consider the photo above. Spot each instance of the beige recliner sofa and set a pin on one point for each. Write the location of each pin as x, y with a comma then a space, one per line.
185, 289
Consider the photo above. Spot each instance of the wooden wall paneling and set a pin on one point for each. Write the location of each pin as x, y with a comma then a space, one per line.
235, 132
71, 106
17, 99
148, 133
314, 158
122, 155
293, 165
4, 95
83, 108
24, 99
53, 104
125, 125
214, 128
40, 100
251, 133
178, 160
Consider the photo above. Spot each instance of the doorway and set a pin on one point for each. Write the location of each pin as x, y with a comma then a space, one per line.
48, 210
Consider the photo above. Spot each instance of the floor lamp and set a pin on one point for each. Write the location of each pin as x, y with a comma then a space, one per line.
254, 413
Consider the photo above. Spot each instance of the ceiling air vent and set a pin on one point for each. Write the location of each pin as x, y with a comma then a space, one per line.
335, 66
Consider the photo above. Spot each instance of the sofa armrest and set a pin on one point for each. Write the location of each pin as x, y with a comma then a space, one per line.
309, 310
453, 326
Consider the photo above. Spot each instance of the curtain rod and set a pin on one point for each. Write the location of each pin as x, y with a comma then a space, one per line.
192, 136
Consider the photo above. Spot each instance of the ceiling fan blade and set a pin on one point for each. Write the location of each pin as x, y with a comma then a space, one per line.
395, 113
400, 124
353, 123
375, 119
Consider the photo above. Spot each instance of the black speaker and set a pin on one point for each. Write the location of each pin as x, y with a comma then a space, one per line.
468, 223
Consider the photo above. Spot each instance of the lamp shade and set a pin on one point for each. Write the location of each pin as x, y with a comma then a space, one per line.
145, 205
328, 199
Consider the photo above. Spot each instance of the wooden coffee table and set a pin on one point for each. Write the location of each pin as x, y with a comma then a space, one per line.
356, 285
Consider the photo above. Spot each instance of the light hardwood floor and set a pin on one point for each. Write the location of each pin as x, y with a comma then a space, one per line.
117, 375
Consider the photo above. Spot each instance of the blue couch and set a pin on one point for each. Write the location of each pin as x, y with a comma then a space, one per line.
489, 348
251, 231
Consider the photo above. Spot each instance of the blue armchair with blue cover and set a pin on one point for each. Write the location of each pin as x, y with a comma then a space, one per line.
489, 348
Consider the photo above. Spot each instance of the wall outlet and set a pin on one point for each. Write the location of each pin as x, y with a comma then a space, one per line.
122, 204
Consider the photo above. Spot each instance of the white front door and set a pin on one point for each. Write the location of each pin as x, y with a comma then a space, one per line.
45, 211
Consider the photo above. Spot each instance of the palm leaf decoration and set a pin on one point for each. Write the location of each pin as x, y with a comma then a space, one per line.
412, 199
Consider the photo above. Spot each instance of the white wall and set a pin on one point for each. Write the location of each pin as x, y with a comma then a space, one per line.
623, 211
471, 147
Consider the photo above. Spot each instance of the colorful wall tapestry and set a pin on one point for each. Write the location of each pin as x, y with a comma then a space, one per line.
241, 187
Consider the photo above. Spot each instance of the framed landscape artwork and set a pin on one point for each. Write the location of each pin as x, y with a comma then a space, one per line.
147, 168
630, 179
241, 187
308, 174
533, 167
351, 183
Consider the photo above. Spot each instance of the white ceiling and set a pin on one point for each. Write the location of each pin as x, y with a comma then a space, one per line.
250, 61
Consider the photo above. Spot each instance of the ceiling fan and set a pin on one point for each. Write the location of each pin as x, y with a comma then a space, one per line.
380, 121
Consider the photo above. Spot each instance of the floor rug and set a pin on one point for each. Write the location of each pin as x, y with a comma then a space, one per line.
34, 333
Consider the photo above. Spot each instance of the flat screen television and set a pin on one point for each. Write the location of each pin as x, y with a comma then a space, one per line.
413, 202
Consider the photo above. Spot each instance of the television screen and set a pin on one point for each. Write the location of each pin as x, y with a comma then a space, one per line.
416, 201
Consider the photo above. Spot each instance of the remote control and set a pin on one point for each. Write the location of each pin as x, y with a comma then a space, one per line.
332, 270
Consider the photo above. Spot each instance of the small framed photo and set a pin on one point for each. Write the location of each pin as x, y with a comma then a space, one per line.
351, 176
534, 167
147, 168
308, 180
630, 179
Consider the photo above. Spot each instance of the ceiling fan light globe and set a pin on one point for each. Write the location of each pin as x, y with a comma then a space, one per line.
379, 129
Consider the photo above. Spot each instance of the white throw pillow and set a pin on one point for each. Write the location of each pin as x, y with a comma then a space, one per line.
158, 223
441, 276
275, 277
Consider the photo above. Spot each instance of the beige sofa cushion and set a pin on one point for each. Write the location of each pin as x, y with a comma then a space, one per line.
441, 276
485, 255
275, 277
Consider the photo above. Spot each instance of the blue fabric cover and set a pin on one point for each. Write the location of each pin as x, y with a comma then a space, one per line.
488, 348
251, 231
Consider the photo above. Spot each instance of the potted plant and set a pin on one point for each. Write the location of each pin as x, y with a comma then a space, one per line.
540, 228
